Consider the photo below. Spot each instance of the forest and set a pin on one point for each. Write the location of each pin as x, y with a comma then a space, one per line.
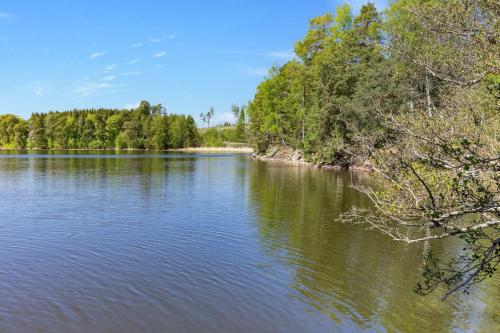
412, 93
146, 127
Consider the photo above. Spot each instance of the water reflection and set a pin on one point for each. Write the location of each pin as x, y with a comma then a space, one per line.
215, 243
346, 272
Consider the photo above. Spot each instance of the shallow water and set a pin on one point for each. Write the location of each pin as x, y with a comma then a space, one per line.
150, 242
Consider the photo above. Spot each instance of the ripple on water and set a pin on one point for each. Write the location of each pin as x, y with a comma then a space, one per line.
212, 243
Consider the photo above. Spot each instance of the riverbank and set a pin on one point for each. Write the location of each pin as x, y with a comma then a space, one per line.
295, 157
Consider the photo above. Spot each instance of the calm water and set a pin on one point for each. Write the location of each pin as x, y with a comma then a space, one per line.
205, 243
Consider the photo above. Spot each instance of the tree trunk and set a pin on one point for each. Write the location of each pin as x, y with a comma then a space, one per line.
428, 93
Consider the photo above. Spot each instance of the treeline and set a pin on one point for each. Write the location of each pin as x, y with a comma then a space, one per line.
146, 127
350, 70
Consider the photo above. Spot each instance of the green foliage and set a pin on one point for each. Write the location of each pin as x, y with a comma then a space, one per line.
13, 131
317, 104
415, 97
147, 127
222, 135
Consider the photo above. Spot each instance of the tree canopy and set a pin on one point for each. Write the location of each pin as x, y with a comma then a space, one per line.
146, 127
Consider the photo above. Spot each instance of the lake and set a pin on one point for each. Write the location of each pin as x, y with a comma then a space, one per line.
164, 242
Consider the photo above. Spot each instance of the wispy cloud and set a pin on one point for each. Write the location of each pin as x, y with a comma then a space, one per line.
38, 91
37, 88
257, 71
154, 40
97, 54
137, 45
110, 68
172, 35
134, 61
159, 54
108, 78
283, 55
91, 88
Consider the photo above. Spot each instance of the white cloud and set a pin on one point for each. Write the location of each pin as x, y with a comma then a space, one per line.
38, 91
159, 54
154, 40
172, 35
110, 68
97, 54
90, 88
134, 61
137, 45
108, 78
37, 88
257, 71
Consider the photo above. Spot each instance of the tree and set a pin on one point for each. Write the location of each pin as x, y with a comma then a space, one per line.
440, 170
13, 131
209, 115
160, 132
37, 137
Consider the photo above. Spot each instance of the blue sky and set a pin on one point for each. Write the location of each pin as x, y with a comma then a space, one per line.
187, 55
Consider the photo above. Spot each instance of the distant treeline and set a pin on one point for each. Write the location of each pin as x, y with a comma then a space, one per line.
146, 127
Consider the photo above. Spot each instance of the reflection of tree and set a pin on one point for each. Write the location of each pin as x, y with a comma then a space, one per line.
341, 269
149, 174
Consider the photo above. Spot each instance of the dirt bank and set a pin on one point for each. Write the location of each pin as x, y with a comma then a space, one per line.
295, 157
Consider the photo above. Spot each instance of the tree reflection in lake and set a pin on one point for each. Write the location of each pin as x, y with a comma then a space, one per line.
346, 271
148, 241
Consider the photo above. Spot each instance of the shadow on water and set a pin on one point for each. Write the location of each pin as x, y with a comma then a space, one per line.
145, 241
351, 274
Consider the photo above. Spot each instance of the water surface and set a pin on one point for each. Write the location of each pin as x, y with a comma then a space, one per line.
150, 242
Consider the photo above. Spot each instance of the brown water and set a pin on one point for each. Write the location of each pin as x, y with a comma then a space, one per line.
205, 243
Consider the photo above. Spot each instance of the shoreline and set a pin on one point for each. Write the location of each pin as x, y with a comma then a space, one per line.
294, 158
242, 150
245, 150
281, 155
